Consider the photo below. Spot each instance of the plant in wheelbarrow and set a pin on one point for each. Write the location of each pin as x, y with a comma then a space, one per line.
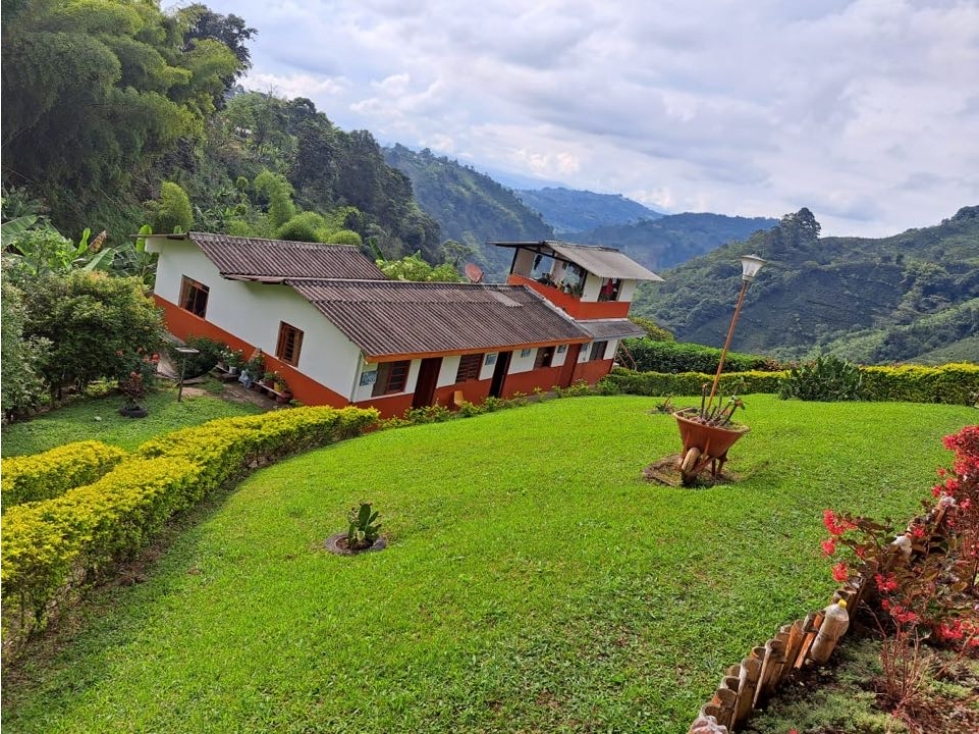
363, 532
707, 434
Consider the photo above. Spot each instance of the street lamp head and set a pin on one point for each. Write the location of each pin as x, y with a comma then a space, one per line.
750, 265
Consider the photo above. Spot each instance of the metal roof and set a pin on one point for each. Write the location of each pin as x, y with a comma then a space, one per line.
394, 318
605, 262
611, 328
269, 261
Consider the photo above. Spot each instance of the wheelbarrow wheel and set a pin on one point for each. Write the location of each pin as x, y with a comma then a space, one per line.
691, 465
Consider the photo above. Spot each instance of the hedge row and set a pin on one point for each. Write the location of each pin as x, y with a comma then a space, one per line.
53, 546
689, 383
956, 384
52, 473
679, 357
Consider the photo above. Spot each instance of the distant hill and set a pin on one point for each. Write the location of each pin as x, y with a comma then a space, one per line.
674, 239
470, 207
567, 210
910, 297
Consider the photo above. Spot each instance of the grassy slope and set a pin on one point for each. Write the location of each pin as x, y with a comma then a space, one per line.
77, 422
534, 582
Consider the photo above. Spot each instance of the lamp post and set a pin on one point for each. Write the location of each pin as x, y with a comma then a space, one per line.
750, 265
184, 353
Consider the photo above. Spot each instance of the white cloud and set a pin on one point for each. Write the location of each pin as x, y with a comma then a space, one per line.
741, 108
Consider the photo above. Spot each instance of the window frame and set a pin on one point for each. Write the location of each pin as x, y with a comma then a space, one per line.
282, 350
191, 291
544, 357
592, 356
392, 378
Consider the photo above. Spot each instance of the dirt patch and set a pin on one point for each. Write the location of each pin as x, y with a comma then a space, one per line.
666, 471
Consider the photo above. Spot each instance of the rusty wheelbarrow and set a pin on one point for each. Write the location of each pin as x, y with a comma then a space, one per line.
704, 444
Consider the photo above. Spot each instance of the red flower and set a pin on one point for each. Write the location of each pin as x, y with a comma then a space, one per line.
829, 547
886, 584
840, 572
834, 525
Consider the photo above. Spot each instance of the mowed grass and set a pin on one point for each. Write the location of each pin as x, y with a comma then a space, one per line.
533, 583
98, 419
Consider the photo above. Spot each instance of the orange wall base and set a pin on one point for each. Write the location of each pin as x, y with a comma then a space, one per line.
572, 305
183, 325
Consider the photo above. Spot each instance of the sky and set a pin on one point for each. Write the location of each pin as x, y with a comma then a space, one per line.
864, 111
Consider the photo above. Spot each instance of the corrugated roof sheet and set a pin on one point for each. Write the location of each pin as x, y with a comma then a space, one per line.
611, 328
605, 262
250, 258
388, 318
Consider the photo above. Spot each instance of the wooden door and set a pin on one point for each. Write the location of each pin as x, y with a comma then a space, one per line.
428, 377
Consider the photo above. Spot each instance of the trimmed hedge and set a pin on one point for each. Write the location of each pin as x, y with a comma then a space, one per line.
53, 546
956, 384
662, 384
680, 357
52, 473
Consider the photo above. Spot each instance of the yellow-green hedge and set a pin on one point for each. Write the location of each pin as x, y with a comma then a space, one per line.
53, 545
52, 473
663, 384
957, 384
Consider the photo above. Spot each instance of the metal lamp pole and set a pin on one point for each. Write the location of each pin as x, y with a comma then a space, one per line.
750, 265
184, 353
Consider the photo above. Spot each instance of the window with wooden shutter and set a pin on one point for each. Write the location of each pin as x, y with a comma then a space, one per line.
290, 343
193, 296
597, 351
391, 377
544, 357
469, 366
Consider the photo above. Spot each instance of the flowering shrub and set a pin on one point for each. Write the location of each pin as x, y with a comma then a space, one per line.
136, 374
925, 578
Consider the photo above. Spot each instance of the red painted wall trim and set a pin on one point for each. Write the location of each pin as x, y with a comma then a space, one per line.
592, 372
575, 307
183, 324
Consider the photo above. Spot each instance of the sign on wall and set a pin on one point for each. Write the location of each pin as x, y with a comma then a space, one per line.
368, 378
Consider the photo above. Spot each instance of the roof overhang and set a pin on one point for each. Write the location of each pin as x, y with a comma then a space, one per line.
605, 262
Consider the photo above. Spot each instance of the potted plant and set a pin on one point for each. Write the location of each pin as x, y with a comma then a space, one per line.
363, 532
707, 434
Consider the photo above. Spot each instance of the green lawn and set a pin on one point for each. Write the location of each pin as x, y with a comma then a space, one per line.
534, 582
99, 419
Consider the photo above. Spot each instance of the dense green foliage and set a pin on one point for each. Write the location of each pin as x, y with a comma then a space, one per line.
671, 356
653, 330
471, 208
873, 301
412, 267
673, 239
90, 321
546, 590
54, 544
21, 357
825, 378
96, 95
570, 211
666, 384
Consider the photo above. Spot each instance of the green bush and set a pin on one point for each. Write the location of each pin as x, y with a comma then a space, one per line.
688, 383
825, 378
676, 357
955, 384
210, 352
52, 546
52, 473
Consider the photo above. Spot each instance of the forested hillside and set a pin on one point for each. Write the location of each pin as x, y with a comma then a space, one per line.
106, 102
673, 239
913, 296
471, 208
568, 210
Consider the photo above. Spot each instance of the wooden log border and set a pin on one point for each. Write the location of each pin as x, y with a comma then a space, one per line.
747, 686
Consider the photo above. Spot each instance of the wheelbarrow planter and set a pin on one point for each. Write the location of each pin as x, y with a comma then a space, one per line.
704, 444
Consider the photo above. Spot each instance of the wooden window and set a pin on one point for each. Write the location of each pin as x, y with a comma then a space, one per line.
469, 365
544, 357
597, 351
290, 343
193, 296
391, 377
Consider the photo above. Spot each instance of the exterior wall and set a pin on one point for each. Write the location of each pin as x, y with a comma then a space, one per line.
248, 315
593, 287
628, 290
592, 372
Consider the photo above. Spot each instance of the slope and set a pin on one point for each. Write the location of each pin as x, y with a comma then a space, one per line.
866, 298
569, 210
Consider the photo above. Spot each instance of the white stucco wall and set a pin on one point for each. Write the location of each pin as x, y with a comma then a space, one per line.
628, 290
253, 311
